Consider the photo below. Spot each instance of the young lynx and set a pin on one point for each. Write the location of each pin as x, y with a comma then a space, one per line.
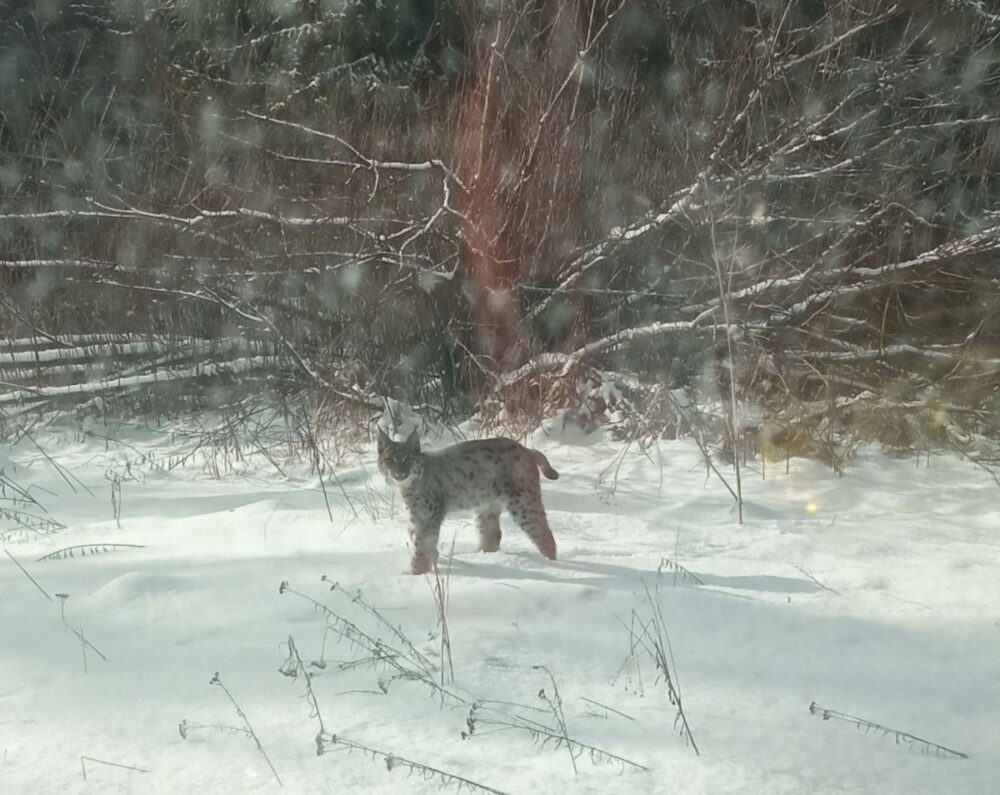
485, 476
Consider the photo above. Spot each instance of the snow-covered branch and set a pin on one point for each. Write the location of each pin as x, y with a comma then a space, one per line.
374, 164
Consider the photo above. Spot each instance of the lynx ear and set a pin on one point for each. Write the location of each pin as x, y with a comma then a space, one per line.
383, 440
413, 440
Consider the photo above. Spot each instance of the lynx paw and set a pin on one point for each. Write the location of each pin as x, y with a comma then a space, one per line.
548, 548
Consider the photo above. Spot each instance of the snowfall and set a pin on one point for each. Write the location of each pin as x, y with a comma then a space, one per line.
178, 623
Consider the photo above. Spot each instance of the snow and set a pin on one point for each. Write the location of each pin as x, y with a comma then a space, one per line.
874, 594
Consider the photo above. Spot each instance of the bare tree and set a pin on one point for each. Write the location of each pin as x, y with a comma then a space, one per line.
496, 205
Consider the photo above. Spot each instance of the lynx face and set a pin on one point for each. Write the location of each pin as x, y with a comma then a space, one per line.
399, 462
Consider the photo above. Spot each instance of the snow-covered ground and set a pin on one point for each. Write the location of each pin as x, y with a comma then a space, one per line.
876, 594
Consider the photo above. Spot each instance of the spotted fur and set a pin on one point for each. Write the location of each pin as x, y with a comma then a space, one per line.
486, 476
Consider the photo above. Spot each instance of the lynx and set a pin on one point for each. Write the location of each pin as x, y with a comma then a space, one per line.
485, 476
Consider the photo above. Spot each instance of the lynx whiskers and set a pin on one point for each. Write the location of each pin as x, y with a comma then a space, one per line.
486, 476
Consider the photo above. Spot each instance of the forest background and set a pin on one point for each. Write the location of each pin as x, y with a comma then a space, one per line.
773, 225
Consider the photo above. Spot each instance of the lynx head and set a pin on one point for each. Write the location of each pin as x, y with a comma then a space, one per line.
399, 462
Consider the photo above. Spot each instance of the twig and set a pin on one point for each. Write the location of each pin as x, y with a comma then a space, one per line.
185, 728
116, 499
25, 571
85, 759
606, 707
701, 446
677, 568
216, 680
440, 592
402, 666
651, 637
554, 703
734, 425
368, 607
426, 772
87, 549
65, 474
293, 668
901, 737
815, 581
83, 649
500, 720
988, 469
26, 523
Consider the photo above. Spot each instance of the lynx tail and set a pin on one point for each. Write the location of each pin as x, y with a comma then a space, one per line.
543, 464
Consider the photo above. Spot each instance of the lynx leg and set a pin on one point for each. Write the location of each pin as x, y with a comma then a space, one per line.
424, 548
530, 516
488, 523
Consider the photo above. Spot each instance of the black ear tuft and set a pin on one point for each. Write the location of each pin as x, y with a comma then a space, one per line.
383, 440
413, 440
